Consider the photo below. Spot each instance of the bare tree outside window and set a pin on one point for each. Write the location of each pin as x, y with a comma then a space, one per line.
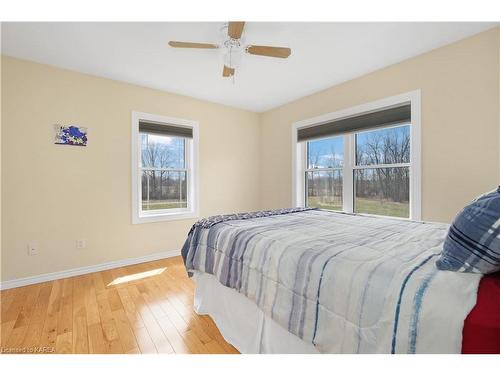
382, 172
164, 174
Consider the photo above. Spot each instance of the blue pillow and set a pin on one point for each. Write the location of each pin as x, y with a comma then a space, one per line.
473, 240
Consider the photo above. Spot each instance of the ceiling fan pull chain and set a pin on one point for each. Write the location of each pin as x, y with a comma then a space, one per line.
231, 61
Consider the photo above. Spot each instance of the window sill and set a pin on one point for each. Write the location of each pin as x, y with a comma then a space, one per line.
164, 217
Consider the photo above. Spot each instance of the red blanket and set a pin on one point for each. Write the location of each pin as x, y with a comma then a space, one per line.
481, 333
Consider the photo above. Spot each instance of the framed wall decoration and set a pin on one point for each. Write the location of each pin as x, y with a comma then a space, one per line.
70, 135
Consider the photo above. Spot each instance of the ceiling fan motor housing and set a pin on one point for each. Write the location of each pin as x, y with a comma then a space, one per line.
233, 52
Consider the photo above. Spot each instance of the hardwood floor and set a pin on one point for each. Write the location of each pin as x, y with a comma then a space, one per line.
144, 308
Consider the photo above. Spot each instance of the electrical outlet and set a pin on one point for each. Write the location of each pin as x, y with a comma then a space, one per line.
81, 244
32, 248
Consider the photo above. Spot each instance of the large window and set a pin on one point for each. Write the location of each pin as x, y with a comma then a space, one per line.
381, 184
367, 163
164, 168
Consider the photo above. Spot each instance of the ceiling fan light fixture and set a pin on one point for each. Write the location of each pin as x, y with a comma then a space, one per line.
233, 54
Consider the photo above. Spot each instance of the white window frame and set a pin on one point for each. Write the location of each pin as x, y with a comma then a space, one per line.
299, 150
191, 158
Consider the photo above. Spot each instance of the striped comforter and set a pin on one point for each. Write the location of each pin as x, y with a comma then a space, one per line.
345, 283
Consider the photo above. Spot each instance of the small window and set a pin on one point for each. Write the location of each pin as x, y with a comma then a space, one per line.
164, 168
164, 172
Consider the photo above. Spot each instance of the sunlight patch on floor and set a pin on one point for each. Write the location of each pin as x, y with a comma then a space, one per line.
137, 276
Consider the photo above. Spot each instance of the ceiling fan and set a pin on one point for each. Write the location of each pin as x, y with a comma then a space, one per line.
232, 43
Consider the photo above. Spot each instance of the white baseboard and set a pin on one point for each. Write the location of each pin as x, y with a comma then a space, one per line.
9, 284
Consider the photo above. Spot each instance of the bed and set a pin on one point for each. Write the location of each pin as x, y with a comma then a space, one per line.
314, 281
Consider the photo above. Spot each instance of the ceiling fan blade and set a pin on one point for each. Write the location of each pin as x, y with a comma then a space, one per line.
176, 44
281, 52
235, 29
228, 72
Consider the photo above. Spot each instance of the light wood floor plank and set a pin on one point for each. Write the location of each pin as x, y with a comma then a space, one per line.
123, 310
6, 300
133, 315
91, 309
36, 323
6, 329
107, 321
16, 337
125, 332
146, 345
155, 332
214, 347
26, 309
80, 333
49, 331
64, 343
97, 342
65, 318
176, 340
134, 351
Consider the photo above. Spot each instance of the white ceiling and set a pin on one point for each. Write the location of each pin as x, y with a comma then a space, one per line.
323, 54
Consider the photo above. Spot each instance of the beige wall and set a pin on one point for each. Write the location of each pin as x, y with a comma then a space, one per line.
56, 194
460, 123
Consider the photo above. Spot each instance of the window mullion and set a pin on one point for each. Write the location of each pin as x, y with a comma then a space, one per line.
164, 169
324, 169
301, 193
139, 175
347, 174
187, 166
375, 166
